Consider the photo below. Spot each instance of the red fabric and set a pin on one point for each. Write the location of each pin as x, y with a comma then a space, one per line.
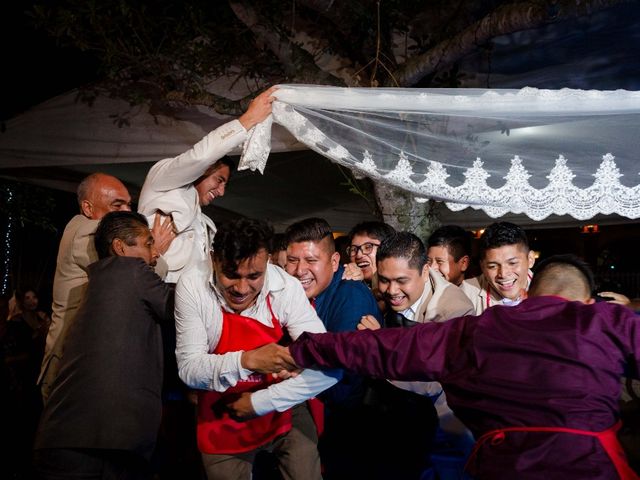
607, 438
217, 432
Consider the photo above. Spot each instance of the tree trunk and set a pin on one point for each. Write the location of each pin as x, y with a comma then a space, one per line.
400, 210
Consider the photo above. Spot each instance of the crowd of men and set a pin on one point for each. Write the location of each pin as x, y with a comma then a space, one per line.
337, 371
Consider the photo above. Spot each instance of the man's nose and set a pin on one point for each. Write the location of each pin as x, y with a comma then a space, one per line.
220, 190
242, 286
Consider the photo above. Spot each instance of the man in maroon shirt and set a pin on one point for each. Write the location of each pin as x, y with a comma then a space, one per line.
538, 384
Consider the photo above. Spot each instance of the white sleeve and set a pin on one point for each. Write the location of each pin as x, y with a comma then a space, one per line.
288, 393
187, 167
195, 337
297, 316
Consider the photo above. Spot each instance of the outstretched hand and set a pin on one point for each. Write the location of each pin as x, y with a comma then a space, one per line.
259, 109
270, 358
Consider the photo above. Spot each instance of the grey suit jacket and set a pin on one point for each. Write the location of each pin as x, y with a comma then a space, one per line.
107, 394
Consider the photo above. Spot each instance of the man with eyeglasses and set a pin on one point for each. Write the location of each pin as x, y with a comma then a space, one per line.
344, 447
365, 238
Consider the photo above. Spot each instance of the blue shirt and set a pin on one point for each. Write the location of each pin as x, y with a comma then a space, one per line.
340, 307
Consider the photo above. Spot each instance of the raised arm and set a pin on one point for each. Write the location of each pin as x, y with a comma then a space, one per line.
186, 168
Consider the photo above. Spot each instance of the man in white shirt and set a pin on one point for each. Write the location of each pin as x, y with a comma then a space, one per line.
180, 186
220, 324
505, 261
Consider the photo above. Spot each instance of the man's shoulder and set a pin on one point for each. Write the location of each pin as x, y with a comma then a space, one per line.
80, 225
473, 286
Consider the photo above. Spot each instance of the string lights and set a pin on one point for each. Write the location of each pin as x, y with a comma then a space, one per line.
7, 244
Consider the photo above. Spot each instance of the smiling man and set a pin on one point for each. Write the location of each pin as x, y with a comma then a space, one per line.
505, 261
365, 239
415, 295
340, 304
220, 323
179, 187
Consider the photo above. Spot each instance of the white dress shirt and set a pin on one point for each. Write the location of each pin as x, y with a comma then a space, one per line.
169, 188
199, 326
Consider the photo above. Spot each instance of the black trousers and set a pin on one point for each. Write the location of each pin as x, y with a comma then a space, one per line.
88, 464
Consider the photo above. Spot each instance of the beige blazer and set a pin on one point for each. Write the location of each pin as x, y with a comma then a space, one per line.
75, 253
443, 301
476, 289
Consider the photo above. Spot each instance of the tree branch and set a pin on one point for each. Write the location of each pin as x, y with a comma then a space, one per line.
297, 62
504, 20
219, 103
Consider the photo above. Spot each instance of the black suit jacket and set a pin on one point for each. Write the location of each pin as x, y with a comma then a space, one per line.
107, 394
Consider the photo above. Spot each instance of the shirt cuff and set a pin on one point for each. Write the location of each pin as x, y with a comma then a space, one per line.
262, 402
243, 372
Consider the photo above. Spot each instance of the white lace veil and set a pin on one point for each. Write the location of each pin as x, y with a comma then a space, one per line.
537, 152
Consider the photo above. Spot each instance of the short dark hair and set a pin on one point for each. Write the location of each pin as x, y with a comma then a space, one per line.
310, 230
403, 245
500, 234
373, 229
278, 243
563, 274
121, 224
218, 164
454, 238
239, 239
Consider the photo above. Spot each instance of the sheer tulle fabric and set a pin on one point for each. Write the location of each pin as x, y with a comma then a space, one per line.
531, 151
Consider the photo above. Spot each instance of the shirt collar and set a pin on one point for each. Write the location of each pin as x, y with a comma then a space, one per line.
411, 312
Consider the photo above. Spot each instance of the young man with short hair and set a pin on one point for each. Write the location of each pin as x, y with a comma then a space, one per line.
340, 304
365, 238
415, 295
505, 261
222, 320
449, 252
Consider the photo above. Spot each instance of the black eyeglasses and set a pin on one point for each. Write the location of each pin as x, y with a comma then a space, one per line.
365, 248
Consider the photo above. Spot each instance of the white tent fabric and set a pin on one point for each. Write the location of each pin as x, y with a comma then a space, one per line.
531, 151
64, 131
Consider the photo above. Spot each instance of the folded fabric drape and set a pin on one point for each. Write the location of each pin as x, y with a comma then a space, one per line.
531, 151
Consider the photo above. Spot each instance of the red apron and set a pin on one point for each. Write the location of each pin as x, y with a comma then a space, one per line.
217, 432
607, 438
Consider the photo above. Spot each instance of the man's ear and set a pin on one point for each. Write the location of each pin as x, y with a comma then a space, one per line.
87, 208
464, 263
335, 261
117, 247
425, 271
532, 258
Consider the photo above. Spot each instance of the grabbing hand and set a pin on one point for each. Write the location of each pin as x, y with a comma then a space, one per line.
163, 232
270, 358
352, 272
369, 322
241, 409
259, 109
